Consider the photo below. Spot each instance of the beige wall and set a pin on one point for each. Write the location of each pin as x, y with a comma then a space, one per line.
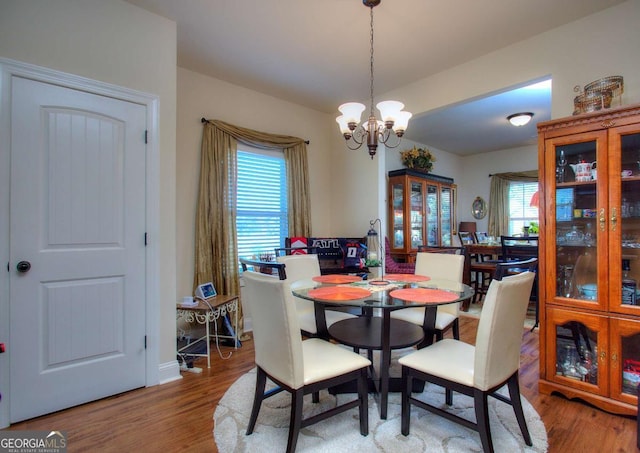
599, 45
117, 43
475, 180
202, 96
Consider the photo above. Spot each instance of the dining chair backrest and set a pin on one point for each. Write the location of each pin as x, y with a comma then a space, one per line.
266, 267
518, 247
281, 251
446, 266
276, 331
499, 335
514, 267
300, 267
450, 249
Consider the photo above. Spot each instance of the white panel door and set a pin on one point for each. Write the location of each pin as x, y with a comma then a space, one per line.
77, 216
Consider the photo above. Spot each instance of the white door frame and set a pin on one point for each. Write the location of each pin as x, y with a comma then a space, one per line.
9, 68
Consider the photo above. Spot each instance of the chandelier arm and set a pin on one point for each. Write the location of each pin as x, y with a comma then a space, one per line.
384, 137
386, 141
357, 137
353, 148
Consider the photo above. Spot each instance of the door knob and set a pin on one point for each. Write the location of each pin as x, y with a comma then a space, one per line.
23, 266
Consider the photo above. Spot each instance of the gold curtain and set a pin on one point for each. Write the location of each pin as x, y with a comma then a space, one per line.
216, 255
499, 199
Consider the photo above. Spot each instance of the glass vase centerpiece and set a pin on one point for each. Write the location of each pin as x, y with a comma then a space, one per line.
420, 159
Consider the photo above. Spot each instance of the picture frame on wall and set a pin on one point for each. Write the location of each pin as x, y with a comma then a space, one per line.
479, 208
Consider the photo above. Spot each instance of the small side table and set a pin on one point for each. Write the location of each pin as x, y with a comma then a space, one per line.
203, 313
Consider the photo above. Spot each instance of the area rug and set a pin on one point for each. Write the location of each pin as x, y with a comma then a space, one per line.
341, 433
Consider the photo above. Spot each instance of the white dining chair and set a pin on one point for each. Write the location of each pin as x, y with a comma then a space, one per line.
300, 270
477, 371
446, 266
297, 366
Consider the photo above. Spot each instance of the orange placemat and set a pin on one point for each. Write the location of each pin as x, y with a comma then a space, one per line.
339, 293
405, 278
424, 295
337, 279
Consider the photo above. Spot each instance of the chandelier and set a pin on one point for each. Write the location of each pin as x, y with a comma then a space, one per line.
394, 119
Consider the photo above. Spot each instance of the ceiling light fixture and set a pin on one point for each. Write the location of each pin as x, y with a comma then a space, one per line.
520, 119
394, 119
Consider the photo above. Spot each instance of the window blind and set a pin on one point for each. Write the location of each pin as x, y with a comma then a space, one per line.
521, 212
261, 220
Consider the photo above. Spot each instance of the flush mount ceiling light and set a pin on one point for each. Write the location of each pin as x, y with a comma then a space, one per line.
394, 119
520, 119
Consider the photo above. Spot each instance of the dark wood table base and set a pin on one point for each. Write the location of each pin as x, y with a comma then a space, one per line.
367, 332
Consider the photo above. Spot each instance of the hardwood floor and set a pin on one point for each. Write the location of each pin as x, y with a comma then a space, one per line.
178, 416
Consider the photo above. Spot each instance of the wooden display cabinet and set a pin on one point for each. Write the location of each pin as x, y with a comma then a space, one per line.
422, 211
589, 251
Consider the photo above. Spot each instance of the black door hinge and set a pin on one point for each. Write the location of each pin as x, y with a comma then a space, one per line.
145, 342
146, 238
146, 137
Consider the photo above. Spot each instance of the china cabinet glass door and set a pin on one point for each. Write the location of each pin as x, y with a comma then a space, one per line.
397, 200
432, 215
580, 344
416, 211
625, 359
580, 222
624, 201
445, 216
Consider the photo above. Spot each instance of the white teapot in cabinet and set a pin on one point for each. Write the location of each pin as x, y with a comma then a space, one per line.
582, 170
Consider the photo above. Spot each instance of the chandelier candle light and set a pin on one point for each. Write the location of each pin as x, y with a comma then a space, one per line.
394, 119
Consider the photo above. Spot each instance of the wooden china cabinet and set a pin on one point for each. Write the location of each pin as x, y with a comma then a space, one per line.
590, 257
422, 211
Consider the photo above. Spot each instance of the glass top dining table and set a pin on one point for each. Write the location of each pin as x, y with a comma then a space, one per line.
391, 292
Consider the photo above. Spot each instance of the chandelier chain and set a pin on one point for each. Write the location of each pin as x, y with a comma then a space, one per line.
372, 131
371, 64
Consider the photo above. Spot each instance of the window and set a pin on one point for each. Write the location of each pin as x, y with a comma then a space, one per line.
521, 212
261, 218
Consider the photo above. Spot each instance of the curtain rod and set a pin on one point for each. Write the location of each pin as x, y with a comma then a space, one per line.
204, 120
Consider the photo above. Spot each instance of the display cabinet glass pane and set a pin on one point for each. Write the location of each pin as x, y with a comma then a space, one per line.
630, 364
416, 211
445, 216
576, 221
398, 216
576, 352
432, 215
630, 217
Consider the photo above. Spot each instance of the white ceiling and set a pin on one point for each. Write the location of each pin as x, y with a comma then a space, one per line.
316, 53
